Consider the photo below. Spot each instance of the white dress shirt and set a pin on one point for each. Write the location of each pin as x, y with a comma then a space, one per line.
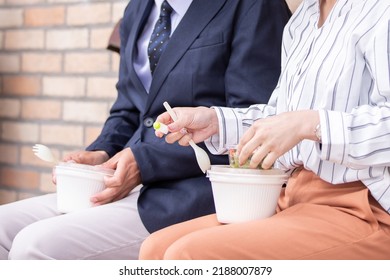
141, 62
341, 69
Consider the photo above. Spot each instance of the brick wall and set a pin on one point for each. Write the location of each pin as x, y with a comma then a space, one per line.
57, 83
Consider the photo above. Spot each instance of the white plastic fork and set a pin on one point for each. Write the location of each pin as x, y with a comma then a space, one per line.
201, 156
44, 153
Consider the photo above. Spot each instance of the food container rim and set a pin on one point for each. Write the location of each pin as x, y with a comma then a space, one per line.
85, 167
227, 169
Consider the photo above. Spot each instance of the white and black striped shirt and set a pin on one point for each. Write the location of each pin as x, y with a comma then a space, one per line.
343, 70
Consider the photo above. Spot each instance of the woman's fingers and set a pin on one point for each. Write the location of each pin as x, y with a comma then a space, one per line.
248, 144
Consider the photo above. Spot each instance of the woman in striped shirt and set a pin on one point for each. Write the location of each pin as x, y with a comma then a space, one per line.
327, 124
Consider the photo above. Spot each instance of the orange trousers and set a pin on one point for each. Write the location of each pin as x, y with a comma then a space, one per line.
314, 220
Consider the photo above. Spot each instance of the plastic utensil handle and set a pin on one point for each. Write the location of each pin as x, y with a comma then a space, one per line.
170, 111
173, 115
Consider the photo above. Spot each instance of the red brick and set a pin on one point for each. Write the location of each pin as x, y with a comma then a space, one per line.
67, 1
9, 153
100, 37
41, 109
19, 132
115, 62
9, 63
102, 87
11, 17
25, 2
47, 16
67, 135
24, 39
87, 62
85, 14
19, 178
59, 39
7, 196
22, 85
64, 86
1, 40
41, 62
95, 112
118, 10
9, 107
24, 195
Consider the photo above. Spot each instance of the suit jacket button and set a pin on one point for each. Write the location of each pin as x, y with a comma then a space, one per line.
148, 122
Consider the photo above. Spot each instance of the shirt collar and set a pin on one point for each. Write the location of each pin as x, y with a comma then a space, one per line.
179, 6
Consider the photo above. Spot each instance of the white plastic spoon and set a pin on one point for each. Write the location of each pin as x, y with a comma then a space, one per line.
44, 153
201, 156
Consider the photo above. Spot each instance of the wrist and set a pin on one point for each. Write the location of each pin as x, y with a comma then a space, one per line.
214, 121
317, 132
311, 129
102, 156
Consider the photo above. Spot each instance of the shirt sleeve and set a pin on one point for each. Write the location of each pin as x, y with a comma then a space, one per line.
233, 123
360, 138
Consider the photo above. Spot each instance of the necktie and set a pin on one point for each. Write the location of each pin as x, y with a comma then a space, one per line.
160, 35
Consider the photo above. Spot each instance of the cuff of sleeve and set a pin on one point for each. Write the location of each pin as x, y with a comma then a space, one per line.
335, 137
110, 150
230, 131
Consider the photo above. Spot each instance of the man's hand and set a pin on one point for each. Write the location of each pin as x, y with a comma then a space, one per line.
126, 178
87, 157
84, 157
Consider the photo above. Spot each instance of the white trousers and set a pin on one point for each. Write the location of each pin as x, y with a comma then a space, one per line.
34, 229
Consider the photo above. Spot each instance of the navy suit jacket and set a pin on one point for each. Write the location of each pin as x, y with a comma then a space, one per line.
223, 53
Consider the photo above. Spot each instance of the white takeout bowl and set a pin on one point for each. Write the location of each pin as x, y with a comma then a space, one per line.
242, 195
76, 183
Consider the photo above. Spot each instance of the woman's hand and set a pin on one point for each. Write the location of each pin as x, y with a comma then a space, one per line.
268, 139
197, 124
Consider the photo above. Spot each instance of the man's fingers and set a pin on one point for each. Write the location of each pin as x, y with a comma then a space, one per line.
105, 196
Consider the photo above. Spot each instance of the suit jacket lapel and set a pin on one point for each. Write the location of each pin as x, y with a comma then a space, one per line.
131, 46
197, 17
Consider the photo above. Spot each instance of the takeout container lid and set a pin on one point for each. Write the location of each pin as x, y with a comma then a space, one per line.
243, 175
85, 168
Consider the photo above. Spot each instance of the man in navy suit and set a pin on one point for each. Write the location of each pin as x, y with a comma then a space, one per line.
220, 52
